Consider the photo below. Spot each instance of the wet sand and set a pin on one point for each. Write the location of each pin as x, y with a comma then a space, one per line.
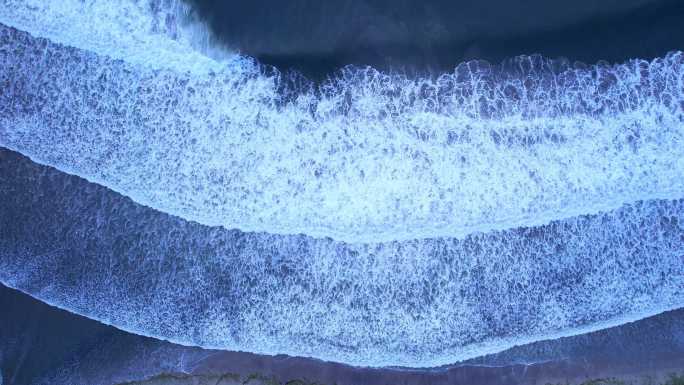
40, 344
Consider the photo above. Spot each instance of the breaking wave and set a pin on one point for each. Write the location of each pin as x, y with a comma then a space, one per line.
419, 303
152, 33
364, 157
440, 218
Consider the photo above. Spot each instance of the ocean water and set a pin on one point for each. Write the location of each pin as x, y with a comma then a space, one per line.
43, 345
432, 37
420, 303
180, 189
366, 157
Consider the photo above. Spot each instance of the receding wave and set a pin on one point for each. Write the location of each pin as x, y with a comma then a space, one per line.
367, 156
419, 303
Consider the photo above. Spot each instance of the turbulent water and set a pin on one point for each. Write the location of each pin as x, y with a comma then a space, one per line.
373, 219
366, 157
415, 303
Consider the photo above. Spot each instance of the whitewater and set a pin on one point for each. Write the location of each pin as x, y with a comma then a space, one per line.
365, 157
375, 219
420, 303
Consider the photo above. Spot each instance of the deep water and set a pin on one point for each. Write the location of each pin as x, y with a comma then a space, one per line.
433, 36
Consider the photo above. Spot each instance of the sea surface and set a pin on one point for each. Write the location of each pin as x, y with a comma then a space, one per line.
371, 183
45, 345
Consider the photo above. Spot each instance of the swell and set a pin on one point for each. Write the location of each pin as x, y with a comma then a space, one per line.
367, 156
431, 302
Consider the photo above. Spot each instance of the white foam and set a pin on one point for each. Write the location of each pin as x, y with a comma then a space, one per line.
153, 33
367, 157
415, 303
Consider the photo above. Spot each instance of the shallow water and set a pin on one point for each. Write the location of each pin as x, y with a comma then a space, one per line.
419, 303
64, 348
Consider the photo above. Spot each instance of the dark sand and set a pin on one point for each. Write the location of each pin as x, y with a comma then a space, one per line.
38, 340
317, 37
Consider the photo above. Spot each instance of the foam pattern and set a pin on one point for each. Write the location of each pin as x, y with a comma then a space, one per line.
153, 33
364, 157
430, 302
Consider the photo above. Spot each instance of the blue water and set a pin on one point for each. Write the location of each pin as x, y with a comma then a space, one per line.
374, 219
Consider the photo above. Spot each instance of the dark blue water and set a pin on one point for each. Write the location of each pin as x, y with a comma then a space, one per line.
435, 35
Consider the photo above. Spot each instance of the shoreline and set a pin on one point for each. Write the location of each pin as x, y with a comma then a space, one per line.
86, 350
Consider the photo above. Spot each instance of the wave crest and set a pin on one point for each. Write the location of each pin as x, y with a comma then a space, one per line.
365, 157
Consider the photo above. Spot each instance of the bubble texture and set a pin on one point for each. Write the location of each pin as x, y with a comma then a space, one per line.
366, 157
439, 219
153, 33
430, 302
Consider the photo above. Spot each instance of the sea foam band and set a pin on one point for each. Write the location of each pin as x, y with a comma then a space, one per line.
420, 183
